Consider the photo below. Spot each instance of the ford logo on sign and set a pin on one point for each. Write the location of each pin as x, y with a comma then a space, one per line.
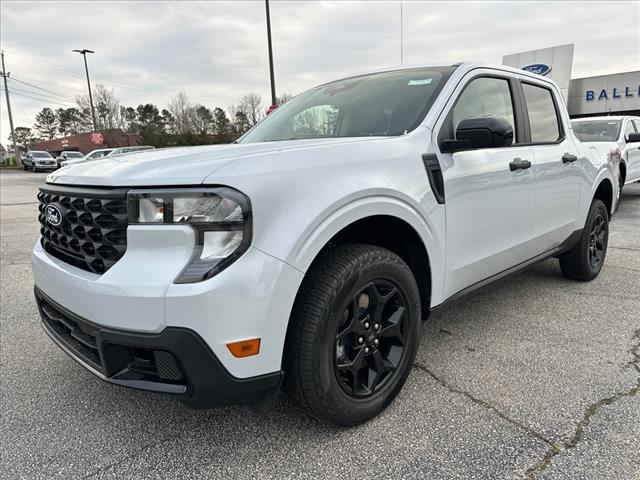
54, 215
538, 68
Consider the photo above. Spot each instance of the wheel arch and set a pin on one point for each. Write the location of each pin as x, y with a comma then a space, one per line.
623, 171
389, 223
605, 192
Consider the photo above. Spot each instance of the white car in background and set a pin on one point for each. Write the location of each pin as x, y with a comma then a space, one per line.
67, 155
93, 155
617, 138
123, 150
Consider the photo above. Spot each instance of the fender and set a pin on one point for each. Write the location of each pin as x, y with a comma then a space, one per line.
321, 230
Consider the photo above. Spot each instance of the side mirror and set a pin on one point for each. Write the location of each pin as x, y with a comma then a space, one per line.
633, 137
481, 132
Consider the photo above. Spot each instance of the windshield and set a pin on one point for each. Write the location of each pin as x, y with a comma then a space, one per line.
99, 153
40, 155
382, 104
597, 130
74, 155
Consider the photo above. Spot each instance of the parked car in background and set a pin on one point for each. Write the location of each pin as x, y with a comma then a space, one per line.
36, 160
93, 155
68, 155
123, 150
308, 253
617, 138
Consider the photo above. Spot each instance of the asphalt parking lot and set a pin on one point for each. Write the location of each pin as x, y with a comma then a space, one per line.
533, 377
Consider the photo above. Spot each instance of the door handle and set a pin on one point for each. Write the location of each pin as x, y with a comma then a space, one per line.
519, 164
569, 158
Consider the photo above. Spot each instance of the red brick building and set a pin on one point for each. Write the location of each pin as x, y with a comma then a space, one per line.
82, 142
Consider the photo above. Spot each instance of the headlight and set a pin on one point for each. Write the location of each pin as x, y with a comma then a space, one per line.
221, 217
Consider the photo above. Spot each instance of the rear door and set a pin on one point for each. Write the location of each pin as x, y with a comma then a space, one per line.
489, 207
557, 166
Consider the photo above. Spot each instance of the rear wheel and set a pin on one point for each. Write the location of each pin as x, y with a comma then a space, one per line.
619, 190
586, 259
353, 335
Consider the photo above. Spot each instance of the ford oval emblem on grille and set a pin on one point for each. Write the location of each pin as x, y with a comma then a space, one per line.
54, 215
539, 68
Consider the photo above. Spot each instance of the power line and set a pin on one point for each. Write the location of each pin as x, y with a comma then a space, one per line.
43, 89
119, 83
30, 92
43, 100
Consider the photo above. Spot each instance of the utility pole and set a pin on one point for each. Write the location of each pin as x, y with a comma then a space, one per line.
6, 91
273, 81
84, 52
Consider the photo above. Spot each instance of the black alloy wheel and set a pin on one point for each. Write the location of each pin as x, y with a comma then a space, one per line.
597, 239
370, 341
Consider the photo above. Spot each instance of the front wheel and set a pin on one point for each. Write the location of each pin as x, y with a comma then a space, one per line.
353, 334
33, 168
586, 259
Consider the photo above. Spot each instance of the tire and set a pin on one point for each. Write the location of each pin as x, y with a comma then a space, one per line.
619, 192
33, 168
343, 328
584, 262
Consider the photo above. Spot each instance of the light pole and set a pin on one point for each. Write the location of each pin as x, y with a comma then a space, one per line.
84, 52
273, 81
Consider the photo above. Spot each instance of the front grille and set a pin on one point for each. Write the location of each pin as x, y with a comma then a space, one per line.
88, 342
92, 234
78, 336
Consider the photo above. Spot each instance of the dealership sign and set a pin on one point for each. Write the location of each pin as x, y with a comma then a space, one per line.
538, 68
627, 92
96, 138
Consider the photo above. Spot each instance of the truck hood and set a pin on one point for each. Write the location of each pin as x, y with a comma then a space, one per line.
177, 166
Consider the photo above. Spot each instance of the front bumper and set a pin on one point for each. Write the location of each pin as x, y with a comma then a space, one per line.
175, 361
41, 166
252, 298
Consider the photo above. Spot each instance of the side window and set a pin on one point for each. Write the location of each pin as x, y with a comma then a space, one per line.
543, 118
629, 129
485, 97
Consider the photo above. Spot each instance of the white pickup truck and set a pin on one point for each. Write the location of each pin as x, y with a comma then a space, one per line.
307, 254
618, 139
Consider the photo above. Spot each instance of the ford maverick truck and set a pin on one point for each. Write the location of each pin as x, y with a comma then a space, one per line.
304, 256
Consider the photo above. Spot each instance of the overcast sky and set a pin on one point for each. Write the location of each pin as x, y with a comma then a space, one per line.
216, 51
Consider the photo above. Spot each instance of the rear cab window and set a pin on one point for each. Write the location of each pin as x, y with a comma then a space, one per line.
544, 122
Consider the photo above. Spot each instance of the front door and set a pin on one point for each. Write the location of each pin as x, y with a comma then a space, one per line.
489, 205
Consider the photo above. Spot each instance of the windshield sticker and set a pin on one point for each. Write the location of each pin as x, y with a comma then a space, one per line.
424, 81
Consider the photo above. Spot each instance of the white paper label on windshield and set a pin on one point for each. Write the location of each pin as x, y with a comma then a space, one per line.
424, 81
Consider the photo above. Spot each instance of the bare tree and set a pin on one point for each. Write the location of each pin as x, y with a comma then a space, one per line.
283, 98
251, 105
106, 104
183, 113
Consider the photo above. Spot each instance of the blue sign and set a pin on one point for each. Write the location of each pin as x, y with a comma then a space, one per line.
538, 68
603, 94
